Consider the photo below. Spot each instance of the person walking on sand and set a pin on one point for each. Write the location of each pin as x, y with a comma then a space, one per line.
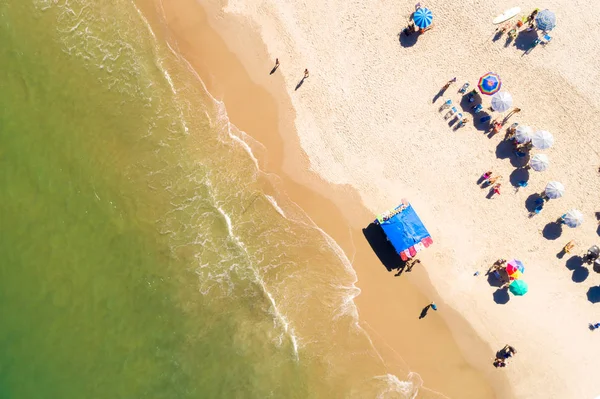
448, 84
275, 67
305, 74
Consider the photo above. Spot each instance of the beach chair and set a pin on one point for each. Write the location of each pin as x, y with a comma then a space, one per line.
477, 108
446, 104
450, 113
485, 119
464, 88
545, 39
538, 209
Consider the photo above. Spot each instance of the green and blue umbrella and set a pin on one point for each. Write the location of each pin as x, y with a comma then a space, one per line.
545, 20
518, 287
423, 17
489, 83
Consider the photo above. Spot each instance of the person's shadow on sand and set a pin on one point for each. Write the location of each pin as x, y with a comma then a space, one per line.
424, 311
300, 83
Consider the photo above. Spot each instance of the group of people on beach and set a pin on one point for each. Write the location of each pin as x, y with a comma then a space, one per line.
277, 63
503, 355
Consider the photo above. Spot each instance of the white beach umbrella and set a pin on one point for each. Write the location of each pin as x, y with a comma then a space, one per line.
542, 139
502, 101
523, 134
554, 190
573, 218
539, 162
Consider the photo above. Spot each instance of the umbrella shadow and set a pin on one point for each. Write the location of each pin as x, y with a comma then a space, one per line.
384, 249
593, 294
497, 279
506, 149
552, 231
533, 201
484, 126
518, 176
407, 40
501, 296
525, 39
580, 273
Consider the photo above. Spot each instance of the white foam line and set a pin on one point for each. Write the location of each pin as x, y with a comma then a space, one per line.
289, 330
221, 110
275, 205
162, 68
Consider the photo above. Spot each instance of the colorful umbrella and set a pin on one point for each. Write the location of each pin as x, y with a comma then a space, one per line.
489, 83
518, 287
545, 20
515, 276
573, 218
542, 139
523, 134
502, 101
514, 266
423, 17
539, 162
554, 190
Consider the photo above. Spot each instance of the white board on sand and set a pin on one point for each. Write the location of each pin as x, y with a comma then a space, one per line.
506, 15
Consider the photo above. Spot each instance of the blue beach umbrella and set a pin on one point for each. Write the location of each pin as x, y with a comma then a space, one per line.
489, 83
545, 20
423, 17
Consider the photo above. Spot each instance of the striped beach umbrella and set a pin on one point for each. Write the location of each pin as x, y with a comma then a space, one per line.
573, 218
423, 17
489, 83
545, 20
539, 162
554, 189
518, 287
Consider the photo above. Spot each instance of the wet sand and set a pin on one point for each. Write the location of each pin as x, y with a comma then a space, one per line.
441, 348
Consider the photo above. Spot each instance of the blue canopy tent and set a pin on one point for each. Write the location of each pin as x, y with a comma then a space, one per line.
404, 230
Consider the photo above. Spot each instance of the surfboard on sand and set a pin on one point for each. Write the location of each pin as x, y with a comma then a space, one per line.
506, 15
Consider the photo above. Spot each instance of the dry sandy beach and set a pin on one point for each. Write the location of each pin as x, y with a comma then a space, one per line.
365, 122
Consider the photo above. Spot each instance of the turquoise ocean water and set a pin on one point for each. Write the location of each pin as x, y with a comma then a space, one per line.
143, 252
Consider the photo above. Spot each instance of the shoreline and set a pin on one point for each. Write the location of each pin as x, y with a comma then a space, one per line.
428, 346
